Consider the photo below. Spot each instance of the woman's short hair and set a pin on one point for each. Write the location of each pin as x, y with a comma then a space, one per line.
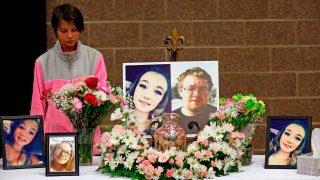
163, 103
68, 13
274, 145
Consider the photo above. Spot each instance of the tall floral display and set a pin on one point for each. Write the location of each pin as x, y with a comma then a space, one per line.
86, 104
243, 112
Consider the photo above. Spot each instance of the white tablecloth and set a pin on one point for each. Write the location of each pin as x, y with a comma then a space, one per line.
255, 171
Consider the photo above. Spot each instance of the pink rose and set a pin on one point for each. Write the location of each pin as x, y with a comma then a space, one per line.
105, 137
169, 173
158, 170
179, 163
149, 170
198, 154
163, 158
171, 161
77, 104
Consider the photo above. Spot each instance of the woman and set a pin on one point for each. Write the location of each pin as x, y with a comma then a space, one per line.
62, 157
150, 93
68, 61
288, 143
22, 143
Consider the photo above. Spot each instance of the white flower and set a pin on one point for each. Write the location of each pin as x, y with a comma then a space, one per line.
178, 174
141, 169
193, 147
100, 95
193, 162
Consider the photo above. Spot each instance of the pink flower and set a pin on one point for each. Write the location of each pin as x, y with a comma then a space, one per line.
104, 88
163, 158
213, 164
122, 104
198, 154
149, 170
188, 174
77, 104
221, 116
228, 126
205, 143
169, 173
105, 137
179, 163
158, 170
208, 153
239, 153
146, 163
119, 129
152, 158
139, 159
171, 161
179, 158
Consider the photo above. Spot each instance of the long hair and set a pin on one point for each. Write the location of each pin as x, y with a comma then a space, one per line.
69, 166
34, 147
163, 103
274, 145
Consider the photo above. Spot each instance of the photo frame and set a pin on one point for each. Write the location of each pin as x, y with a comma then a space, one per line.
62, 154
27, 133
165, 77
286, 138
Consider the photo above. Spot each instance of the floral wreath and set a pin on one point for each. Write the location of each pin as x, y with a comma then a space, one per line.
216, 151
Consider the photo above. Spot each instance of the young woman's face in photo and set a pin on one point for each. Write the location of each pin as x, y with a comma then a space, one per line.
68, 35
149, 91
292, 137
25, 132
194, 92
62, 153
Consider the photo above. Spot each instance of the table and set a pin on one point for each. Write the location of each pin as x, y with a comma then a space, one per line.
254, 171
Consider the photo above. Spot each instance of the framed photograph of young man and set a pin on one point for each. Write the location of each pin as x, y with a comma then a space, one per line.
62, 156
22, 140
287, 137
188, 88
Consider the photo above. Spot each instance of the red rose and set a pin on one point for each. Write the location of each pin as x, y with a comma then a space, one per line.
91, 98
92, 82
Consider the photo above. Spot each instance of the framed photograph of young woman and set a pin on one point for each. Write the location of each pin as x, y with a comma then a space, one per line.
62, 157
287, 137
188, 88
22, 140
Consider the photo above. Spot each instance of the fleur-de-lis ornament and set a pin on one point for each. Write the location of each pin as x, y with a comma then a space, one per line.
173, 47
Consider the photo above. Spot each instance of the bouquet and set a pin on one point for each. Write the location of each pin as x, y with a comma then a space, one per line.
216, 152
243, 112
240, 111
87, 103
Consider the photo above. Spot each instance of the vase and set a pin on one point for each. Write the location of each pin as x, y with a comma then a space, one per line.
85, 145
170, 134
246, 157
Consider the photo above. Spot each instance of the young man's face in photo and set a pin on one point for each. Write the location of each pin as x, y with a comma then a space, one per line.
195, 93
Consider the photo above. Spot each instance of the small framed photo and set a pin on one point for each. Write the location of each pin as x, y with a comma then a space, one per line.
62, 156
22, 141
287, 137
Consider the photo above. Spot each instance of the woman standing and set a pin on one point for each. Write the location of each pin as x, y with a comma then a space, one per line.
69, 61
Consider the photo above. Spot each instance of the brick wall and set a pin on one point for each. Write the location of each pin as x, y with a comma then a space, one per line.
267, 47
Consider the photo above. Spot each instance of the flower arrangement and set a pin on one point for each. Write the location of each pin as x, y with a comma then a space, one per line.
87, 103
216, 152
243, 112
240, 111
